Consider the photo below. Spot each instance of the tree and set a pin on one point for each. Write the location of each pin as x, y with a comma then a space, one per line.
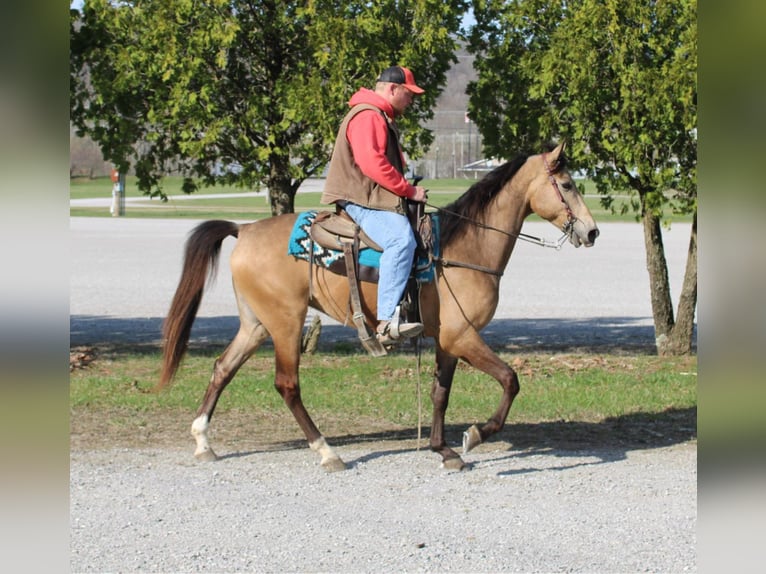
618, 80
246, 93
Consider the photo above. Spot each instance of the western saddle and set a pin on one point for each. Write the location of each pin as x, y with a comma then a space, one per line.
339, 232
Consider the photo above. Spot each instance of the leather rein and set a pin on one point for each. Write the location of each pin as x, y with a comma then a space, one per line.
567, 229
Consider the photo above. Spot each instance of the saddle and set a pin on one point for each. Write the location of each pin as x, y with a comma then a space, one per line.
333, 230
338, 231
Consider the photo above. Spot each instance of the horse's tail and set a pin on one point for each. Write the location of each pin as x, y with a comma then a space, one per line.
200, 263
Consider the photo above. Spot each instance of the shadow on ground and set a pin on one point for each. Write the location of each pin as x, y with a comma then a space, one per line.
607, 441
598, 333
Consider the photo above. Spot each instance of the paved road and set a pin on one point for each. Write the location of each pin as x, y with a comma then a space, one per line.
124, 273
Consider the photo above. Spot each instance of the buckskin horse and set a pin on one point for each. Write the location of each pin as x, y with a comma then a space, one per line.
273, 293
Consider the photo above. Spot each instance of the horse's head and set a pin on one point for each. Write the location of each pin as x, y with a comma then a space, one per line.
555, 198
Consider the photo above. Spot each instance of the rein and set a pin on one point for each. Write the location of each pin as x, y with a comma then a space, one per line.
567, 229
523, 236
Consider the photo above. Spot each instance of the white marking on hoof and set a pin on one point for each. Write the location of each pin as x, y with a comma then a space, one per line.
203, 451
331, 462
471, 438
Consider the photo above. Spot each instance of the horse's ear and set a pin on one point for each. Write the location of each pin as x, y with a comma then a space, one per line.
557, 152
556, 158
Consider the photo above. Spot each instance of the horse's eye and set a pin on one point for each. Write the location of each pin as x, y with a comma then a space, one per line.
567, 185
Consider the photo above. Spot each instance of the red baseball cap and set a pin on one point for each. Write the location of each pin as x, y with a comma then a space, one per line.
400, 75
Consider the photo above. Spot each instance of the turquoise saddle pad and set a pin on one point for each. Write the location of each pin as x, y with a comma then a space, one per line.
300, 246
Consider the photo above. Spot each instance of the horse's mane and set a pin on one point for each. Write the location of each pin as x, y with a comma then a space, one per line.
455, 216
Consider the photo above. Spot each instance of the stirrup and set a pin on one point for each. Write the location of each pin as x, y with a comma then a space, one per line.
395, 331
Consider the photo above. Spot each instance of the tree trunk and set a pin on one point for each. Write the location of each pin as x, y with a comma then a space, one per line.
659, 285
310, 340
280, 185
682, 335
671, 337
281, 200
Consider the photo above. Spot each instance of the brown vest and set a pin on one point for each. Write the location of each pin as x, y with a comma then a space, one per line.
346, 182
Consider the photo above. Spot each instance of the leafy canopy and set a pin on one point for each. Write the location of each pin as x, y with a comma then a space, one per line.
247, 93
617, 79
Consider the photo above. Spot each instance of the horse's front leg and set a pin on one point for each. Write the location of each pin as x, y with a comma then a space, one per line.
440, 389
473, 350
479, 355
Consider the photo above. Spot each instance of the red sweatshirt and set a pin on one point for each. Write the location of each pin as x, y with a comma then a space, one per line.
367, 133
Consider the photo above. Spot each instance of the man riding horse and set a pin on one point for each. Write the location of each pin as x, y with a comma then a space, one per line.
366, 178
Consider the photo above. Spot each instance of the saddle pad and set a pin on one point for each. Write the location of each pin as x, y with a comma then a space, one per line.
300, 243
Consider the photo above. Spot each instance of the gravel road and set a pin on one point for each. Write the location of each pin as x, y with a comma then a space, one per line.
393, 511
608, 505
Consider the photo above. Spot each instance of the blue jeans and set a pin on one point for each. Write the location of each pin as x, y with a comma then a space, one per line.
393, 233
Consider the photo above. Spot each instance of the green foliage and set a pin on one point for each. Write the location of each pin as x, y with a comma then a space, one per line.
617, 80
244, 93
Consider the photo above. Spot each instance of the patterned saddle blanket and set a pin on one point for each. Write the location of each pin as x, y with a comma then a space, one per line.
300, 246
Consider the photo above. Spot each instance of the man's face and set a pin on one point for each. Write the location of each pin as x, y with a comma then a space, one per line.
401, 98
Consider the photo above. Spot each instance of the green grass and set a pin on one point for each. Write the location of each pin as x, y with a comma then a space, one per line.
351, 387
255, 205
84, 188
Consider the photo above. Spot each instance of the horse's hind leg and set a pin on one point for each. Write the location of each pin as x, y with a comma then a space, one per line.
240, 349
287, 351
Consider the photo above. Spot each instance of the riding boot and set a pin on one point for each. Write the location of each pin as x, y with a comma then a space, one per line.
394, 331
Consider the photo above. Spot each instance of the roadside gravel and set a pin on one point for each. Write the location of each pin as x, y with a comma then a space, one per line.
394, 510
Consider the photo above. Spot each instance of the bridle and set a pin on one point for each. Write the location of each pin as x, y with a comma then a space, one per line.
567, 229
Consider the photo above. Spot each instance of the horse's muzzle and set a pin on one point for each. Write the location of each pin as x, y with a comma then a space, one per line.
584, 236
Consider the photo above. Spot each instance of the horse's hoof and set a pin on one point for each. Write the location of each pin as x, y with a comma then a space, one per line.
454, 463
333, 465
206, 455
471, 438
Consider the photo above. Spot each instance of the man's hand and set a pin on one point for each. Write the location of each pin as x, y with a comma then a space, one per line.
420, 194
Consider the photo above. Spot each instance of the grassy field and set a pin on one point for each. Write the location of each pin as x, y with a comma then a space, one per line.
352, 392
255, 205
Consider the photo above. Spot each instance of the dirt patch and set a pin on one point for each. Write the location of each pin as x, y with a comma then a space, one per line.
241, 431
